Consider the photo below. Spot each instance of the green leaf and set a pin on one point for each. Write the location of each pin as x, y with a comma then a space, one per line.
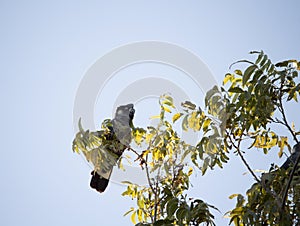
172, 206
181, 213
211, 93
126, 182
266, 66
185, 123
162, 223
248, 72
189, 105
80, 126
264, 59
259, 57
205, 165
285, 63
235, 90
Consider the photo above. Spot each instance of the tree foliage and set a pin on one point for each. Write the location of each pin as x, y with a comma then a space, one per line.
255, 105
237, 117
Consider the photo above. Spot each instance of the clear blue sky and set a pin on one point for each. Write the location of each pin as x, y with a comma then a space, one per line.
46, 47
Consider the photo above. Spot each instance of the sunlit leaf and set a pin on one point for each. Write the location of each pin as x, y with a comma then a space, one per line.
228, 77
167, 109
155, 117
138, 135
233, 196
133, 217
176, 117
190, 171
140, 215
206, 124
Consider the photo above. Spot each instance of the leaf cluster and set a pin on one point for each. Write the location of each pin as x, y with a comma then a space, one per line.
244, 112
255, 101
163, 202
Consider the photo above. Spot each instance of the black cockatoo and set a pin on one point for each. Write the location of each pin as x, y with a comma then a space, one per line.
117, 138
290, 161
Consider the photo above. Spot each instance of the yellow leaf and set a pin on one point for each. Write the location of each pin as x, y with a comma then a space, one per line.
141, 202
133, 217
293, 126
233, 196
238, 132
140, 215
206, 124
281, 143
167, 109
166, 100
120, 165
155, 117
176, 117
138, 135
228, 77
149, 136
190, 171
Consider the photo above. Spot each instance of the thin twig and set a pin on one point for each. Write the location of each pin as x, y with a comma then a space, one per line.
281, 109
144, 161
237, 147
150, 184
148, 176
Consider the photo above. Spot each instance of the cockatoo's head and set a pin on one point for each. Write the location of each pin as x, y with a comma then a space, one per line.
122, 123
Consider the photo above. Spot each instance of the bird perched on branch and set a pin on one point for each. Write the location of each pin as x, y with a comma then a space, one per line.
105, 147
118, 139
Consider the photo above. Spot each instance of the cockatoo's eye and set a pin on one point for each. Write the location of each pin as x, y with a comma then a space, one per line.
131, 113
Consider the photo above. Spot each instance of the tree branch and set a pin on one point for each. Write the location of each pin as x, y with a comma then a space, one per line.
237, 147
289, 184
